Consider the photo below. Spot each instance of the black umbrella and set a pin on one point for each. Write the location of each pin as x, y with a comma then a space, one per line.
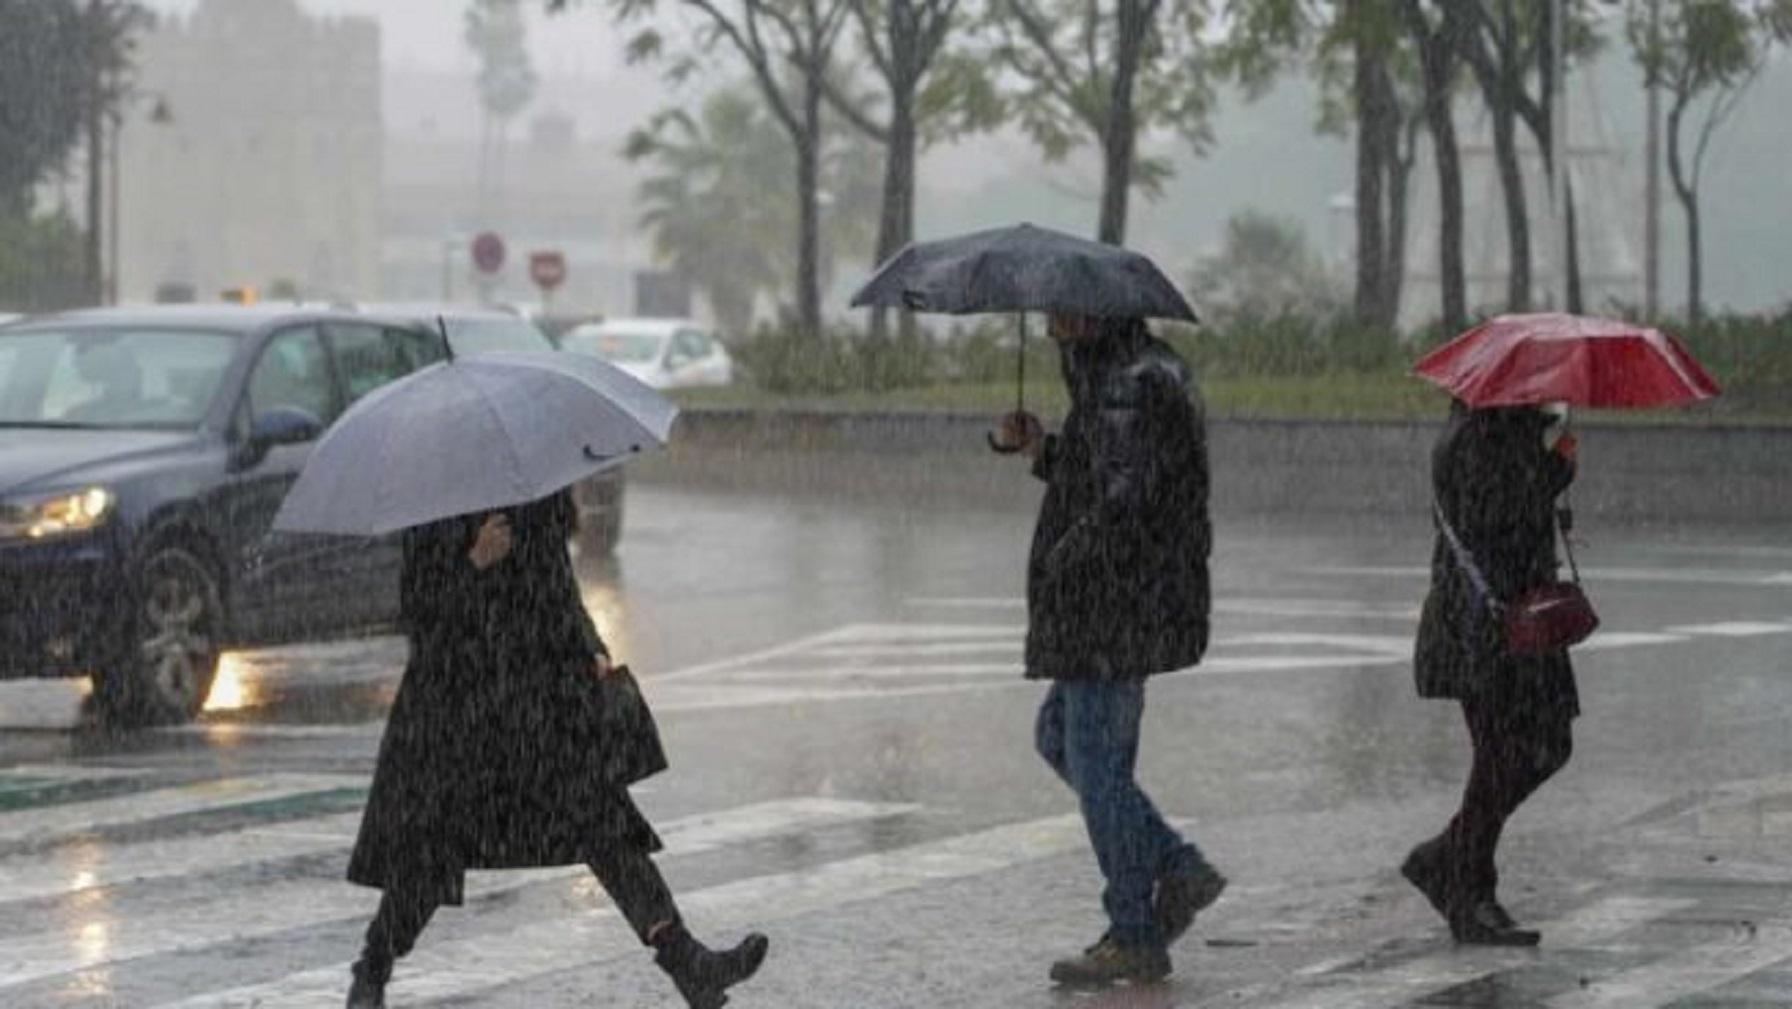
1024, 269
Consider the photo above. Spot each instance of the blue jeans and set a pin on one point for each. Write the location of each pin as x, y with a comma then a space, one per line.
1088, 731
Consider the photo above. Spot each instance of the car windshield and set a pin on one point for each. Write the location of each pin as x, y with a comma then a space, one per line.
626, 348
480, 336
110, 378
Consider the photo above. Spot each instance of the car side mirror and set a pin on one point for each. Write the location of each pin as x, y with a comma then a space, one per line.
283, 425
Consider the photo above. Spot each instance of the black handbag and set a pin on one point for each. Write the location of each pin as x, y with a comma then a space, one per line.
629, 741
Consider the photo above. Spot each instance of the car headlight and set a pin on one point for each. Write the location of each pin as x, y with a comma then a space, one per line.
61, 515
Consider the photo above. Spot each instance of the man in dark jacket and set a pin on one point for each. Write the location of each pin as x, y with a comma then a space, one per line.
1117, 590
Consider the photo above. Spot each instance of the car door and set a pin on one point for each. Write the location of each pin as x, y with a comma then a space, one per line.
368, 356
285, 578
684, 359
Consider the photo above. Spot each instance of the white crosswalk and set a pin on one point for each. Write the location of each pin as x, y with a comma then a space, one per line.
199, 919
37, 825
447, 970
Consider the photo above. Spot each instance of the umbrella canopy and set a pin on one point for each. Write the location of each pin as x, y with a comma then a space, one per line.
1024, 269
1517, 360
471, 435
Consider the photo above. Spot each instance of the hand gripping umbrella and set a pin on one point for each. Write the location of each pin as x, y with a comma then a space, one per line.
1024, 269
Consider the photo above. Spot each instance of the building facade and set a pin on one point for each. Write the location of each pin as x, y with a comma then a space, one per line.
266, 170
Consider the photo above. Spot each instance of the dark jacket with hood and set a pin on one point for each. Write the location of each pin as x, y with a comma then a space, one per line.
1117, 583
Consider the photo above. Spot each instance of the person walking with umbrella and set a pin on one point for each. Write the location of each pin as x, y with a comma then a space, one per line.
1117, 583
514, 735
1497, 624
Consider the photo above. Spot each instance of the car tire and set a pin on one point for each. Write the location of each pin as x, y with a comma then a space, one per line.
162, 667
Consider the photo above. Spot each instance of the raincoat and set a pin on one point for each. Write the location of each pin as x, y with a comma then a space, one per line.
491, 758
1497, 485
1117, 584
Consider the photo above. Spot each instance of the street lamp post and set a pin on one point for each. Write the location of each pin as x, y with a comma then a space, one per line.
161, 116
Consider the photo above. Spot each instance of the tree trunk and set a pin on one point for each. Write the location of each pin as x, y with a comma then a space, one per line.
1689, 205
1119, 138
1371, 171
808, 181
1399, 190
896, 219
96, 147
1438, 58
1577, 301
1518, 221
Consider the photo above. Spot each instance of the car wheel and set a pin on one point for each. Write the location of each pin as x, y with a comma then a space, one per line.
163, 668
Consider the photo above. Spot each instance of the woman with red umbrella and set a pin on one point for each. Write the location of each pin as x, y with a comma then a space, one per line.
1497, 624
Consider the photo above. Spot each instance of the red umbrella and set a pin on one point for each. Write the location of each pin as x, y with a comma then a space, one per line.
1517, 360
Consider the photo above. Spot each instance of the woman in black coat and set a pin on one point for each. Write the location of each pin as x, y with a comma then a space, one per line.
492, 758
1496, 482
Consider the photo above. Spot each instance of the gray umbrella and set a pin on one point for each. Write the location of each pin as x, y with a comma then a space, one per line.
472, 435
1024, 269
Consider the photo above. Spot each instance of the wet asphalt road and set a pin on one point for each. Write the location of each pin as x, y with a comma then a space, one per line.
838, 687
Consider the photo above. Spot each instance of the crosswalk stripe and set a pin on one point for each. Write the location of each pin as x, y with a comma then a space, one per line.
72, 868
278, 907
1734, 629
1238, 606
45, 823
1403, 981
466, 967
1691, 971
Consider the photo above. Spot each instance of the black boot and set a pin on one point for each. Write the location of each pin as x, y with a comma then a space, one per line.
369, 988
703, 976
1426, 869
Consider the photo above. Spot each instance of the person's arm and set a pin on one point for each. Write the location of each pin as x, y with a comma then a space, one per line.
1493, 484
436, 587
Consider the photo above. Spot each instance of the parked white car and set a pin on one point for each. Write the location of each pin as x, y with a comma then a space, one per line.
664, 353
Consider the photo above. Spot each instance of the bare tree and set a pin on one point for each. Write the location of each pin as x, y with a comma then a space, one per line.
788, 47
1107, 70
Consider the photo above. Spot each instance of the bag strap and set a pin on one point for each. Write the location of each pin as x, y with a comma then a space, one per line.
1564, 521
1466, 560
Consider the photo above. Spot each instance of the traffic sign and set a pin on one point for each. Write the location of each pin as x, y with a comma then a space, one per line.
488, 252
547, 269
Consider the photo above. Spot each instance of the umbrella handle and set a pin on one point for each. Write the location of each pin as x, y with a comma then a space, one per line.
999, 448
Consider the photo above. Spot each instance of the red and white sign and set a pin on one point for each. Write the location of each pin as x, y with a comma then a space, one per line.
488, 252
547, 269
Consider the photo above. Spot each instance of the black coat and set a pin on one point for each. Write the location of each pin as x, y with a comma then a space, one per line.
491, 756
1497, 485
1117, 585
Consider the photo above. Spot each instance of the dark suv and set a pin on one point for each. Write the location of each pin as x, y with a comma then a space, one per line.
143, 455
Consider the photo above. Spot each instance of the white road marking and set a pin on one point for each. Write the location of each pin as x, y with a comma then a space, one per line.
460, 969
42, 704
1691, 971
204, 920
33, 775
71, 868
1240, 606
44, 823
1734, 629
1607, 640
1401, 982
1672, 576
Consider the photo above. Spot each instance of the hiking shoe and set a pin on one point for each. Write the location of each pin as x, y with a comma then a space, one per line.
1181, 896
1108, 962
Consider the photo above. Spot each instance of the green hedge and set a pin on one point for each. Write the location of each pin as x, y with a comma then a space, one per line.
1749, 355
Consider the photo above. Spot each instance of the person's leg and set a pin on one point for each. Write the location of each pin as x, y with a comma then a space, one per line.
392, 934
1132, 842
639, 891
1516, 751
